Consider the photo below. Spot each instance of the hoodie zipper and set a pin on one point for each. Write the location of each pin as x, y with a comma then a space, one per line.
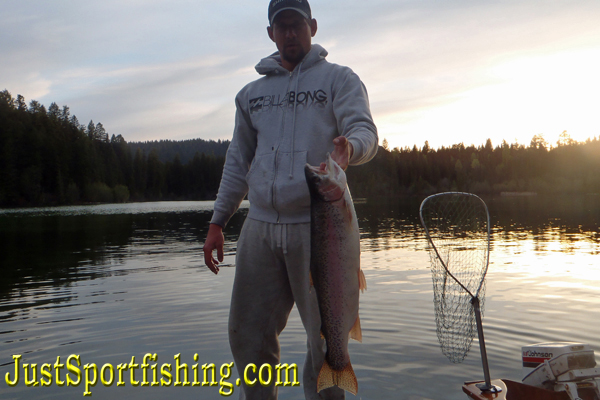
281, 134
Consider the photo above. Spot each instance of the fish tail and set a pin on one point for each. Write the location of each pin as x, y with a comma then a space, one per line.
362, 281
356, 331
344, 379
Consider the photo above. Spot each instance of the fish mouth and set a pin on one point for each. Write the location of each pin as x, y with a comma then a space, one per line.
332, 168
328, 168
323, 180
319, 171
315, 170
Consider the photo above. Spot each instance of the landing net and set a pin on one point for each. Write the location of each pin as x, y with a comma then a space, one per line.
457, 228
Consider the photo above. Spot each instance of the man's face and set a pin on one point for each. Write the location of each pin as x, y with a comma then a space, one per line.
292, 34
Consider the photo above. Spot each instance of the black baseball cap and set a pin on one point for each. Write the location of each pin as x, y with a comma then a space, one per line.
276, 6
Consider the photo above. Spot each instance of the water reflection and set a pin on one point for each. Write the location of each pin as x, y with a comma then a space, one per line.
58, 246
568, 220
63, 245
109, 282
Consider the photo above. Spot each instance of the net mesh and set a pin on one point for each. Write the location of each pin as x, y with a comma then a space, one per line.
457, 226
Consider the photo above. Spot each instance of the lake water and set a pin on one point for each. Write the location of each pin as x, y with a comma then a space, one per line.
112, 282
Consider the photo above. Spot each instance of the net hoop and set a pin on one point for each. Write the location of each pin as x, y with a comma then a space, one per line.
457, 228
487, 261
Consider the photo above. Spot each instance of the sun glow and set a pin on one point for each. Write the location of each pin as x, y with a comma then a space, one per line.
525, 96
561, 258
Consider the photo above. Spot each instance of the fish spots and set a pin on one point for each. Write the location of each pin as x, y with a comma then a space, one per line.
335, 272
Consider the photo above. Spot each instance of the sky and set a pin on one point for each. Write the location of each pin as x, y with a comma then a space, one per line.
447, 71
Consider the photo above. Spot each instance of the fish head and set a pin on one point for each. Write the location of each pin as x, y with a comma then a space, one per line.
327, 182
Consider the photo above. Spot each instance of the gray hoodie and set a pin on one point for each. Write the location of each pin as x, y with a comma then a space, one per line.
283, 121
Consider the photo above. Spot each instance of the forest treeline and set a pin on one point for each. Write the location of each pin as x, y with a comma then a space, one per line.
47, 158
566, 167
186, 149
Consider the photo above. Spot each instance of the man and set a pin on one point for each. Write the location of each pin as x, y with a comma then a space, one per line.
301, 109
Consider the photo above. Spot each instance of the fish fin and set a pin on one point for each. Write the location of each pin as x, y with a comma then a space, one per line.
322, 336
344, 379
356, 331
362, 281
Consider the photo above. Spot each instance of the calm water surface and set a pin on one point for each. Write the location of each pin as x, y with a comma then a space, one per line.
111, 282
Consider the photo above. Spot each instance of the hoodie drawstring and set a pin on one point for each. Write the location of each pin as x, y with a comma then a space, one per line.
281, 237
291, 175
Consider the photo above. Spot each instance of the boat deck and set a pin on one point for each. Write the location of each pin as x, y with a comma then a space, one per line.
512, 390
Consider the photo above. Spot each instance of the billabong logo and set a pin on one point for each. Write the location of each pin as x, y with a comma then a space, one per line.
306, 99
256, 104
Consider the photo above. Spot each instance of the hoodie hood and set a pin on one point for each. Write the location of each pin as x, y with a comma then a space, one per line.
271, 64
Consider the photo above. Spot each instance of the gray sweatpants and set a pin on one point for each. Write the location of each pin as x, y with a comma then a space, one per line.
272, 272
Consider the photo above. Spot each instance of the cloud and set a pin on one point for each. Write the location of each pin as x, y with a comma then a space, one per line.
148, 101
170, 69
456, 44
421, 60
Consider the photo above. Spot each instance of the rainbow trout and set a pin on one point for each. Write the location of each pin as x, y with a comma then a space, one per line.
335, 270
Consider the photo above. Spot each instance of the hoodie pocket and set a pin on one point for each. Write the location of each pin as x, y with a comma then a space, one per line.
291, 189
260, 181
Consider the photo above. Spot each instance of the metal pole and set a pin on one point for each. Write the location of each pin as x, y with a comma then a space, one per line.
487, 387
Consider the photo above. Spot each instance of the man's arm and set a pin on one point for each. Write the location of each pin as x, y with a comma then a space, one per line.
354, 120
233, 187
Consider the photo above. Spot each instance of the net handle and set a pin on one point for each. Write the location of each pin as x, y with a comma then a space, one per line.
486, 386
430, 240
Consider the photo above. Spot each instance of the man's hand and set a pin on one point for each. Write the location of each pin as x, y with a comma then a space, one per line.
214, 240
342, 152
